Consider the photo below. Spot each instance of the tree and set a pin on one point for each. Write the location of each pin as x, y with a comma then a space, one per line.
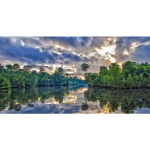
103, 70
129, 67
136, 81
1, 68
21, 70
9, 67
58, 79
34, 72
129, 81
41, 69
31, 80
27, 68
85, 106
120, 81
18, 107
15, 67
60, 70
44, 79
13, 79
93, 79
85, 66
114, 70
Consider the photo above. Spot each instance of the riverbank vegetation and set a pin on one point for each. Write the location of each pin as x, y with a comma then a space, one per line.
15, 77
131, 75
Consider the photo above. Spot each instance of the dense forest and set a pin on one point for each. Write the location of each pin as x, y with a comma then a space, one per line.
15, 77
131, 75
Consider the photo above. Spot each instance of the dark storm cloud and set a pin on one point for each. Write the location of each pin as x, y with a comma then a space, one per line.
71, 56
25, 53
30, 55
73, 42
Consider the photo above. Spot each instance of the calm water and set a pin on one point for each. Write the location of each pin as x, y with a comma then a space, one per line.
74, 100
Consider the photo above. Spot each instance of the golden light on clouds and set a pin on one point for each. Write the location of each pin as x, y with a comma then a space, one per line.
106, 51
112, 59
126, 52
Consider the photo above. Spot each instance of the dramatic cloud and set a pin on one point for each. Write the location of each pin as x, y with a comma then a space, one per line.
70, 52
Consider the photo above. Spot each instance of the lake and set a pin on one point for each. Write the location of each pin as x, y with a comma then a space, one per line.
77, 99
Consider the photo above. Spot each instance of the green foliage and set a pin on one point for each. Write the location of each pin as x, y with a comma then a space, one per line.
31, 80
129, 81
27, 68
1, 67
132, 75
9, 67
15, 67
15, 77
75, 81
114, 70
4, 83
60, 70
58, 79
85, 66
103, 72
44, 79
103, 68
129, 67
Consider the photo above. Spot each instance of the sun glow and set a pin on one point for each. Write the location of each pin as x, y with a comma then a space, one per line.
112, 59
126, 52
106, 51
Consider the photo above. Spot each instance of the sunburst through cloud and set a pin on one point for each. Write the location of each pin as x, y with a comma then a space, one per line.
74, 74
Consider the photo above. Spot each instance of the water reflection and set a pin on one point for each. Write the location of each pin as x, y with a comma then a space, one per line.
120, 101
74, 99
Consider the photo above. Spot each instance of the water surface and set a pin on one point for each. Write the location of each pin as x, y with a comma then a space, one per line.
74, 100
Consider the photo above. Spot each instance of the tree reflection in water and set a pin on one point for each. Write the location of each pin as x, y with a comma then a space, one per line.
111, 99
70, 99
15, 98
85, 106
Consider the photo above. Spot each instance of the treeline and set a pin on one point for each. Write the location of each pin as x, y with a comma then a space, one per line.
14, 77
132, 75
128, 100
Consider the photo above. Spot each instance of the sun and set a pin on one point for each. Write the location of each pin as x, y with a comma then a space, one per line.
112, 59
106, 51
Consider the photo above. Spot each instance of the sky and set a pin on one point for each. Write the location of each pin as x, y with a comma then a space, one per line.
70, 52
